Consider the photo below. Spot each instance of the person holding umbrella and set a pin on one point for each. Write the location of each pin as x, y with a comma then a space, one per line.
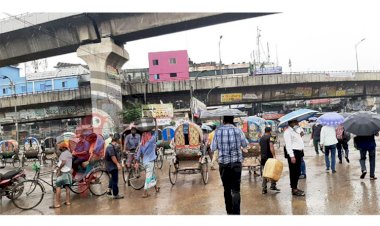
328, 137
294, 145
365, 125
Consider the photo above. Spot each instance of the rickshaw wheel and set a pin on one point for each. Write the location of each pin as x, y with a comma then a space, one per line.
3, 163
16, 161
173, 171
204, 171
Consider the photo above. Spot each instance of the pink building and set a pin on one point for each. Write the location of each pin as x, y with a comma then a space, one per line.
168, 66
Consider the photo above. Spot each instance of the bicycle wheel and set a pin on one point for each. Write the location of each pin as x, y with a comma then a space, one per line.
204, 171
16, 161
137, 177
99, 180
160, 159
30, 194
173, 171
125, 172
78, 187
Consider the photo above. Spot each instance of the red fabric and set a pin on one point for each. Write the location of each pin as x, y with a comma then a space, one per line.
145, 138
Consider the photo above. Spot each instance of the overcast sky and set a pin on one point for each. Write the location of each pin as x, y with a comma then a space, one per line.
315, 35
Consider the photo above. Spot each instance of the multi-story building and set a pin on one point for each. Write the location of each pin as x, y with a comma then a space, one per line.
13, 73
168, 66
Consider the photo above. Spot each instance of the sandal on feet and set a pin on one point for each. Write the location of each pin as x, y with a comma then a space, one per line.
158, 189
145, 196
67, 203
298, 193
54, 207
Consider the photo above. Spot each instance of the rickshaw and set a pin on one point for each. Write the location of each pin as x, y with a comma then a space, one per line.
32, 151
91, 174
188, 147
163, 145
49, 150
273, 125
9, 151
253, 128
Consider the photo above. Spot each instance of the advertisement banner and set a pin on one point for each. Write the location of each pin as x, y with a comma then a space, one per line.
197, 107
303, 92
231, 97
158, 111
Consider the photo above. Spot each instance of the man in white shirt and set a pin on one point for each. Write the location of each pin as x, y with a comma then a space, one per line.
329, 141
294, 152
64, 178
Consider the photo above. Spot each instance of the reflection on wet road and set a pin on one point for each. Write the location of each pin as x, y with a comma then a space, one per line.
342, 193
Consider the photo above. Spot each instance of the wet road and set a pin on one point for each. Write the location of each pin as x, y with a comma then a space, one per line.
343, 193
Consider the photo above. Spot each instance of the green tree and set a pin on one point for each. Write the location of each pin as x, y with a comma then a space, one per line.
132, 113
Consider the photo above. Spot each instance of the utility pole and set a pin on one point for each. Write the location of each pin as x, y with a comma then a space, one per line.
220, 56
13, 87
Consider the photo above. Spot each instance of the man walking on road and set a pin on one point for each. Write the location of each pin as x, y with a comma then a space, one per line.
229, 140
113, 166
329, 141
316, 136
267, 151
294, 147
364, 144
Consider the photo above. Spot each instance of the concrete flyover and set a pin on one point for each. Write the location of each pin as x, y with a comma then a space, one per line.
255, 89
40, 35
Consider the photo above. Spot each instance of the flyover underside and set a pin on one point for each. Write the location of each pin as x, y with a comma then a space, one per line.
247, 95
67, 34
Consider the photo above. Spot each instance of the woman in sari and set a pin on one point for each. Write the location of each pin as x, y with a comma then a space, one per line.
148, 151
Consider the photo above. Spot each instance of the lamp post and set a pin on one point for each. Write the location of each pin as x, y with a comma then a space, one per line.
192, 92
220, 56
356, 53
210, 92
13, 87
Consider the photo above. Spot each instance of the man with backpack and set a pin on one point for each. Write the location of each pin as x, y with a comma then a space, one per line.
343, 137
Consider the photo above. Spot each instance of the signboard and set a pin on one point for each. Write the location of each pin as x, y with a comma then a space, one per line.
340, 92
303, 92
197, 107
271, 116
158, 111
268, 70
251, 96
231, 97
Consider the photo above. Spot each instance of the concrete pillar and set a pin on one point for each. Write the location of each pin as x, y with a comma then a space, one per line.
105, 60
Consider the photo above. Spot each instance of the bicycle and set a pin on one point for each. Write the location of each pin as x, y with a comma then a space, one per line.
134, 177
30, 193
95, 177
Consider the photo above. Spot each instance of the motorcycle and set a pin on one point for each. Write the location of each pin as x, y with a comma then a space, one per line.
10, 180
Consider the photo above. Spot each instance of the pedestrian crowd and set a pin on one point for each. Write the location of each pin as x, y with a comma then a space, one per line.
225, 145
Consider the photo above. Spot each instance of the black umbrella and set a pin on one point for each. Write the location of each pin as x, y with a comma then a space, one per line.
362, 123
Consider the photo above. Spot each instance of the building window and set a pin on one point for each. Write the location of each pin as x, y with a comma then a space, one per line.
156, 77
172, 61
48, 87
23, 89
64, 84
173, 75
4, 90
42, 87
155, 62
